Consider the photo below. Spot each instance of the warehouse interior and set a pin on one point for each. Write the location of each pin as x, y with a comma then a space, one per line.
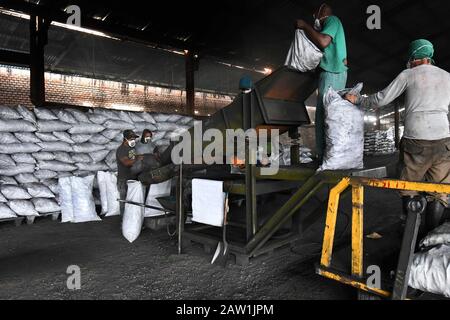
71, 94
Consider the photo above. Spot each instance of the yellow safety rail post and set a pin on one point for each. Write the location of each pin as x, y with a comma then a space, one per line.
357, 230
330, 224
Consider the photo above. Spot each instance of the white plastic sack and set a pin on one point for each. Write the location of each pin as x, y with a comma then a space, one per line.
440, 235
87, 147
8, 113
65, 199
81, 158
6, 161
23, 158
156, 190
99, 139
136, 117
2, 198
430, 271
65, 116
133, 217
148, 117
113, 145
27, 137
43, 156
161, 117
44, 205
46, 137
100, 166
158, 135
45, 174
26, 114
12, 192
110, 134
141, 126
81, 138
344, 132
7, 138
52, 184
8, 180
110, 158
14, 171
19, 148
118, 125
97, 118
52, 126
44, 114
109, 114
109, 194
16, 126
86, 128
83, 200
55, 146
99, 156
56, 166
63, 157
303, 55
39, 190
23, 208
125, 117
80, 116
64, 137
25, 178
6, 212
167, 126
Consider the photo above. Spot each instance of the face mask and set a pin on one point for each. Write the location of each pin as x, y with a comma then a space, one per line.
147, 139
317, 25
132, 143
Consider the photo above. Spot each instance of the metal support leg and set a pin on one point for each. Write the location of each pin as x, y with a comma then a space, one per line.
295, 148
180, 210
415, 209
250, 194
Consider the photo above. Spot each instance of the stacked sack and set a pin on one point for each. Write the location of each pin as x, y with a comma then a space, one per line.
39, 146
380, 142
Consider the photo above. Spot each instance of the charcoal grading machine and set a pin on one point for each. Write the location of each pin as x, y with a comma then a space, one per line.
266, 212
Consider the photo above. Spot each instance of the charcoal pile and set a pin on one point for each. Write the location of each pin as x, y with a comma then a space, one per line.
380, 142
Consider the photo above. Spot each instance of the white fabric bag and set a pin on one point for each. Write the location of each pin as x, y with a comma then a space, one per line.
430, 271
65, 199
157, 190
208, 201
344, 132
83, 200
303, 55
109, 194
133, 217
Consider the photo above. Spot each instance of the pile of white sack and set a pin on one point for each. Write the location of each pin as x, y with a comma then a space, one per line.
430, 268
344, 132
39, 146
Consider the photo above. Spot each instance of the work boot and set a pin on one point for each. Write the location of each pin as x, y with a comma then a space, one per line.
435, 215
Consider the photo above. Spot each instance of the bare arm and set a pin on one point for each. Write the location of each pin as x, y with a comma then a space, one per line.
127, 162
320, 40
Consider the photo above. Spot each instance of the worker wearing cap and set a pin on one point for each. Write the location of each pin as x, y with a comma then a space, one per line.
328, 35
425, 146
126, 158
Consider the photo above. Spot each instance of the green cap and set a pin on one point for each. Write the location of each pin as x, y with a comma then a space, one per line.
420, 49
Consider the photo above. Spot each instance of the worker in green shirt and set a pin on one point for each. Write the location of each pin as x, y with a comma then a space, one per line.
328, 35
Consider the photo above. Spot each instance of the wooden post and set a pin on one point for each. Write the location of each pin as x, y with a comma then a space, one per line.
190, 82
38, 40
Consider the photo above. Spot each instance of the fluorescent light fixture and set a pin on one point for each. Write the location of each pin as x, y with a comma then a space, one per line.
196, 111
267, 71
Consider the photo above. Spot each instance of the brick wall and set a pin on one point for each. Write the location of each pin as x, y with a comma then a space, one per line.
76, 90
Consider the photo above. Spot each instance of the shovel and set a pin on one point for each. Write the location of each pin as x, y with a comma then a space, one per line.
221, 254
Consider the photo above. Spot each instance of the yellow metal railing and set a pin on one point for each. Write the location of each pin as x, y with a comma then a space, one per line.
358, 185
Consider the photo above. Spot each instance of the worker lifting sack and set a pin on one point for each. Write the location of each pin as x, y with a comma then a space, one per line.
303, 55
